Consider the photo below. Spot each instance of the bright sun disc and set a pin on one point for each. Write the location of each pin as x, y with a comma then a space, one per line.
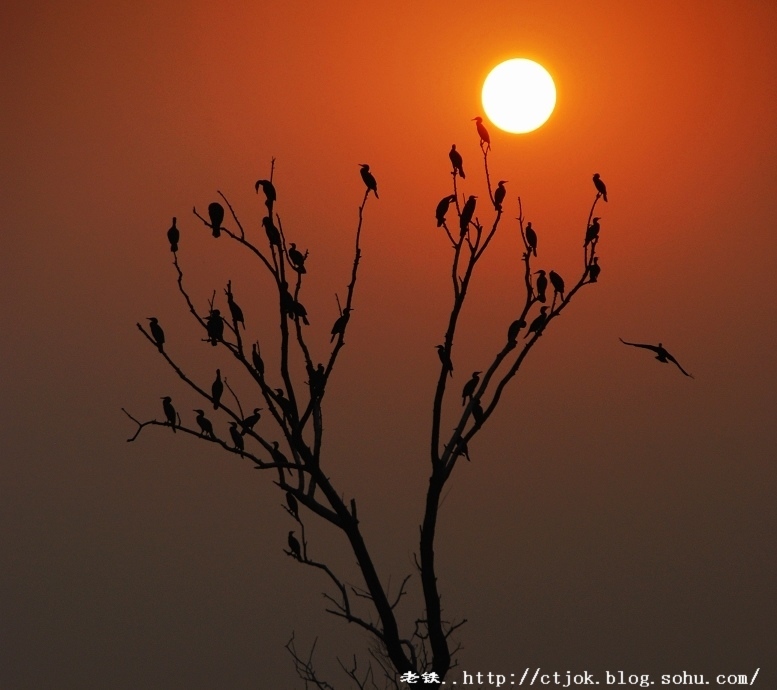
519, 95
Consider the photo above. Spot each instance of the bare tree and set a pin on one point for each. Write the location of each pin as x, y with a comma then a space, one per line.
290, 447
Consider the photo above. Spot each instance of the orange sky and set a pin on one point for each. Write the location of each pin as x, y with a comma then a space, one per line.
615, 515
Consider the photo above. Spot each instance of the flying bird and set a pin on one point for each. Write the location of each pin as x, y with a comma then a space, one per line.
237, 437
297, 258
592, 234
341, 323
369, 179
539, 323
499, 194
173, 235
445, 359
169, 410
442, 209
294, 546
215, 327
156, 332
206, 428
531, 238
234, 309
594, 269
466, 213
457, 161
273, 235
269, 191
469, 388
216, 214
482, 131
250, 422
661, 354
558, 283
542, 285
217, 389
600, 186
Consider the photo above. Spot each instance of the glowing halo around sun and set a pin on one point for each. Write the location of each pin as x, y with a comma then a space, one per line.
519, 95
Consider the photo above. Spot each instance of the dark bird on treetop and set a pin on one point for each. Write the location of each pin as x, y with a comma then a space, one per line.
299, 311
466, 213
482, 131
369, 179
592, 234
600, 186
499, 194
285, 404
206, 428
539, 323
445, 359
250, 422
234, 308
237, 438
531, 238
273, 235
661, 354
477, 412
557, 282
294, 546
216, 213
469, 387
594, 269
291, 501
514, 329
156, 332
277, 455
341, 323
170, 415
215, 327
542, 285
457, 161
257, 359
173, 235
269, 191
442, 209
297, 258
216, 390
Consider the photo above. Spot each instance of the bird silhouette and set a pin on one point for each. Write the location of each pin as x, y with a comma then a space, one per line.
216, 214
469, 387
558, 283
592, 234
539, 322
299, 311
206, 428
661, 354
294, 546
250, 422
273, 235
256, 358
462, 449
237, 437
317, 380
482, 132
457, 162
514, 329
277, 455
477, 412
442, 209
173, 235
594, 269
269, 191
341, 323
217, 389
156, 332
531, 238
600, 186
215, 327
445, 359
291, 501
169, 410
466, 213
234, 309
499, 194
285, 404
369, 179
542, 285
297, 258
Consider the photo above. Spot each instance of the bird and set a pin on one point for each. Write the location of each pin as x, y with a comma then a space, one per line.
291, 501
442, 209
234, 308
462, 448
466, 213
600, 186
482, 132
297, 258
594, 269
215, 327
170, 415
542, 285
531, 238
284, 403
457, 161
206, 428
250, 422
445, 359
558, 283
469, 387
499, 194
287, 301
299, 311
173, 235
277, 455
269, 191
513, 330
294, 546
273, 236
341, 323
477, 412
661, 354
156, 332
216, 389
369, 179
256, 358
317, 380
592, 234
216, 213
539, 323
237, 437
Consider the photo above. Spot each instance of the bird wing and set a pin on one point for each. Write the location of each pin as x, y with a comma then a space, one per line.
647, 347
672, 359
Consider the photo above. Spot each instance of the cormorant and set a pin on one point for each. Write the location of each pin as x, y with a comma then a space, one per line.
466, 213
250, 422
277, 454
531, 238
273, 235
287, 301
216, 390
600, 186
317, 380
234, 308
170, 415
594, 269
206, 428
173, 235
462, 448
513, 330
215, 327
477, 412
284, 403
457, 161
257, 359
299, 311
469, 387
592, 234
542, 285
661, 354
442, 209
216, 213
539, 323
445, 359
558, 283
297, 258
294, 546
291, 501
237, 438
156, 332
369, 179
499, 194
341, 323
268, 189
482, 131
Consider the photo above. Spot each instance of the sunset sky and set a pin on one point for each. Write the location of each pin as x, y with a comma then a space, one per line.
616, 515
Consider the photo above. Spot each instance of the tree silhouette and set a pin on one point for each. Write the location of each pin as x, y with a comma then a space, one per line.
290, 440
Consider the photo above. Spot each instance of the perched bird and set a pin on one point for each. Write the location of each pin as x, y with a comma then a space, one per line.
594, 269
469, 387
206, 428
558, 283
531, 238
285, 404
341, 323
297, 258
477, 412
269, 191
216, 213
217, 389
287, 301
173, 235
592, 234
273, 235
499, 194
542, 285
462, 448
317, 380
237, 437
234, 309
457, 161
661, 354
445, 359
293, 505
514, 329
277, 455
600, 186
170, 414
442, 209
369, 179
482, 132
250, 422
466, 213
156, 332
215, 327
294, 546
539, 323
256, 358
299, 311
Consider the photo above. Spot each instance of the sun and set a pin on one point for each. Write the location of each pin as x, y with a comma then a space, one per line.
519, 95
